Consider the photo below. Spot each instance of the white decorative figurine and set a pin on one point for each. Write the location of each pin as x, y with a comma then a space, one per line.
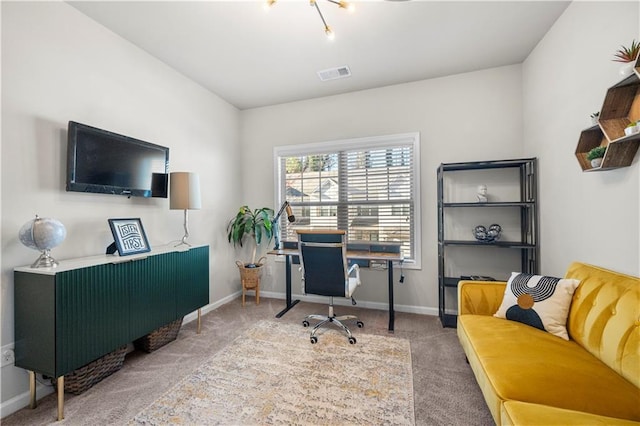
482, 193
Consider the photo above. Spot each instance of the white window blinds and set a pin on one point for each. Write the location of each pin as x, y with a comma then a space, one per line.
367, 187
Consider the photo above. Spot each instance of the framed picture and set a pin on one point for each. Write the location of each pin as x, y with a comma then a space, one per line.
129, 236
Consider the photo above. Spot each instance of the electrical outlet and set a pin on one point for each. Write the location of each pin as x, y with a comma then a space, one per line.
8, 357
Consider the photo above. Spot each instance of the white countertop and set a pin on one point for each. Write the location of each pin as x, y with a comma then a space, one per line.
102, 259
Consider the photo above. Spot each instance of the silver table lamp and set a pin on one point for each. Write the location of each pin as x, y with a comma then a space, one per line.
184, 194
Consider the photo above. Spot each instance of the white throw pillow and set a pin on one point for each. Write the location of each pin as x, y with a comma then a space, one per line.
538, 301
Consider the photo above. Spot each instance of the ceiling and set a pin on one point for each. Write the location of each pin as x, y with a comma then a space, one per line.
253, 57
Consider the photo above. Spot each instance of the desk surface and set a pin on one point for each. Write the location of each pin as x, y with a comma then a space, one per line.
351, 254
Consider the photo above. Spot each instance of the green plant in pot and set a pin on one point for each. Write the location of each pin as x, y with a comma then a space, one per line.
632, 128
253, 225
595, 155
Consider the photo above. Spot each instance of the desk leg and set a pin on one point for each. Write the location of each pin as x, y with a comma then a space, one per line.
391, 310
290, 304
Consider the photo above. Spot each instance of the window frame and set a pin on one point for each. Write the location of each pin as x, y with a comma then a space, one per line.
369, 143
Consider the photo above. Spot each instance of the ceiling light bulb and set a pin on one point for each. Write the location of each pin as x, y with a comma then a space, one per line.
329, 33
346, 5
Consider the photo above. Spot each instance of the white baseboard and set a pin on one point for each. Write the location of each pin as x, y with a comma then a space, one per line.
383, 306
210, 307
20, 401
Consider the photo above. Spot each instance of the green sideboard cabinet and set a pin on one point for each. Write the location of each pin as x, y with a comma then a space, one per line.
69, 316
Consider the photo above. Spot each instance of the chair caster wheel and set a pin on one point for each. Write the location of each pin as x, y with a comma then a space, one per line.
360, 324
314, 340
352, 340
305, 323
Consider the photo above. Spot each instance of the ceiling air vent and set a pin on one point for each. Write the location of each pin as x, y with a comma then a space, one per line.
334, 73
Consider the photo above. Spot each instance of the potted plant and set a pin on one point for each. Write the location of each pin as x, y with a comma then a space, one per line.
254, 225
595, 156
631, 129
627, 55
594, 118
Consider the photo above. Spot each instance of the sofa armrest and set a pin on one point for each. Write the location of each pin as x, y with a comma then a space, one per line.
480, 297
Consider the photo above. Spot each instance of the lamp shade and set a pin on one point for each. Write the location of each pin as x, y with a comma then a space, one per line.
184, 191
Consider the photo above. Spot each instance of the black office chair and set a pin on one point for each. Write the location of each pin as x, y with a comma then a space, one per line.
325, 272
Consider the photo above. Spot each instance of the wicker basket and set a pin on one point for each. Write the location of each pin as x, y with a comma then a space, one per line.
250, 277
159, 337
85, 377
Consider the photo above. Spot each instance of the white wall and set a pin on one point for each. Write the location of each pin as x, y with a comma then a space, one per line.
590, 217
58, 65
467, 117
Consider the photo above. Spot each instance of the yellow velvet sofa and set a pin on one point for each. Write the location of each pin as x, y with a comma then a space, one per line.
531, 377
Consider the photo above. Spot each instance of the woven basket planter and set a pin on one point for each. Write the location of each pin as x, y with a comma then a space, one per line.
85, 377
159, 337
250, 277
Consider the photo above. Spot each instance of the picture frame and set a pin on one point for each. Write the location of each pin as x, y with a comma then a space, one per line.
129, 236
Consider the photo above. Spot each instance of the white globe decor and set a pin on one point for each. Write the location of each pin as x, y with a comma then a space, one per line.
43, 234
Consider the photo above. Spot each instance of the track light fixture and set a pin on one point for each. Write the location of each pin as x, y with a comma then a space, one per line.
314, 3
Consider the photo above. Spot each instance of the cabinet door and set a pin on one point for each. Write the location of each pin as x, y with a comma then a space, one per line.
153, 301
92, 314
34, 319
192, 281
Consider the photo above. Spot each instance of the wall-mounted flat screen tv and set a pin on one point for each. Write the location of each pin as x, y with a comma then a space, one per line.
100, 161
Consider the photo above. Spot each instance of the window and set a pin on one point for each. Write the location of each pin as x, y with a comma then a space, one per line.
368, 187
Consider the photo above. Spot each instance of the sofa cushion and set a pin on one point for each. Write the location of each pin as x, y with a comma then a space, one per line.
523, 413
513, 361
539, 301
605, 317
480, 297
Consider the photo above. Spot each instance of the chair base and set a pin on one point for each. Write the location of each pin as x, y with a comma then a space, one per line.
338, 321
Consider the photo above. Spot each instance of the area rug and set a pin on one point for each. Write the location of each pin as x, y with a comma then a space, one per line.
272, 374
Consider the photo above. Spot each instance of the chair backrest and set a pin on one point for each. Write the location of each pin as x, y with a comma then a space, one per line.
323, 258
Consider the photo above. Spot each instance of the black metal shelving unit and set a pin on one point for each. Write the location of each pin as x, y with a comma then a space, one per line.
526, 206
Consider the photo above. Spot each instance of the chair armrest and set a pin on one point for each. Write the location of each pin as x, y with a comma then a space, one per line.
480, 297
355, 267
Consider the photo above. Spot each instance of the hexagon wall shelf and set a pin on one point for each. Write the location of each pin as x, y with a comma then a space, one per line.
621, 107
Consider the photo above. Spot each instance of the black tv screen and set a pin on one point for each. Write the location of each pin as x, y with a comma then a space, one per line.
104, 162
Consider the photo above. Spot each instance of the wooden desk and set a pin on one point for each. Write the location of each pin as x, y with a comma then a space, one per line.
352, 255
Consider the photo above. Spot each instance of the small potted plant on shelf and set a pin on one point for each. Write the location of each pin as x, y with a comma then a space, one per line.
595, 156
631, 129
627, 55
594, 118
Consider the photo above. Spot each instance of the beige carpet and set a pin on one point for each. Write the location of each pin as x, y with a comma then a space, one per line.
445, 391
272, 374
